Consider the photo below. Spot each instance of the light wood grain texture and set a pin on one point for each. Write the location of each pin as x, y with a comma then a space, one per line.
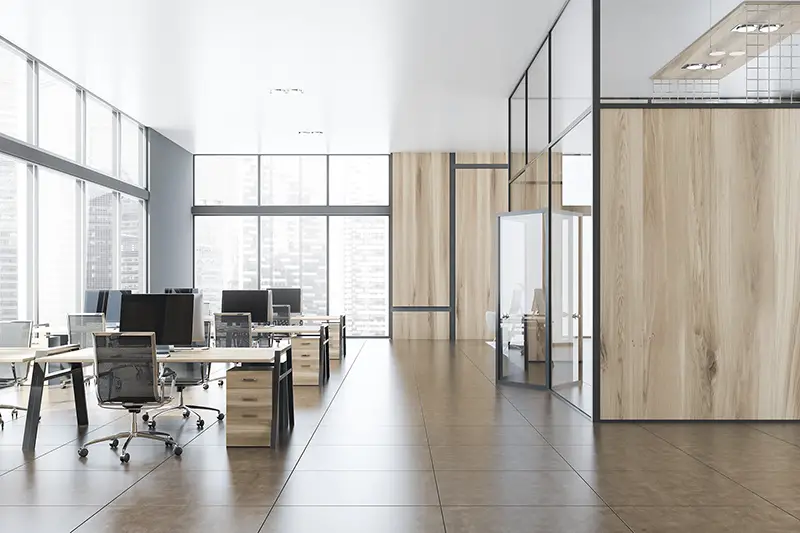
408, 325
480, 196
700, 277
529, 191
421, 229
248, 413
482, 158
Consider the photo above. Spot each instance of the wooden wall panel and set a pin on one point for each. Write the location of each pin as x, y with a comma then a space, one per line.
529, 191
480, 196
700, 277
481, 158
408, 325
421, 229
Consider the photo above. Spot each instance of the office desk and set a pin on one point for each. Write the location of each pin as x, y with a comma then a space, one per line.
338, 335
282, 379
312, 350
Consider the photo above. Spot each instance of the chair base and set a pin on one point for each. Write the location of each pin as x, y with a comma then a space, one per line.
187, 410
134, 433
15, 409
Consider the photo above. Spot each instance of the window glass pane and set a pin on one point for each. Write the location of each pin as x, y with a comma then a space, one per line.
359, 263
14, 240
518, 134
294, 254
99, 135
225, 255
538, 87
131, 152
293, 180
359, 180
58, 248
132, 245
225, 180
572, 65
13, 93
101, 231
58, 110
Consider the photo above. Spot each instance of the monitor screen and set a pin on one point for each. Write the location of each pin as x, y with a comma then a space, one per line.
113, 303
181, 291
169, 316
287, 296
94, 301
253, 302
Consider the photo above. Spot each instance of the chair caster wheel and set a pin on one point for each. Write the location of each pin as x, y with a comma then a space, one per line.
205, 386
14, 414
200, 424
125, 458
2, 425
151, 424
113, 444
219, 383
221, 416
83, 452
178, 450
185, 415
145, 417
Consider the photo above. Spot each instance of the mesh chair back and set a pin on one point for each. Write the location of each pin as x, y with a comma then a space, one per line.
126, 369
232, 330
82, 327
14, 334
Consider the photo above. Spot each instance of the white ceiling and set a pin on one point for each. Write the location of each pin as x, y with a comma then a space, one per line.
378, 75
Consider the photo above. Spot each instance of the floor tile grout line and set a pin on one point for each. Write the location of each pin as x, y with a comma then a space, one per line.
553, 447
311, 437
773, 436
717, 471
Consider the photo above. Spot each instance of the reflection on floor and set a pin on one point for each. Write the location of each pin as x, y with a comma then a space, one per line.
408, 437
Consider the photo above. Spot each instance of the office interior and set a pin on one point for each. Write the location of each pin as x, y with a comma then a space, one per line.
519, 266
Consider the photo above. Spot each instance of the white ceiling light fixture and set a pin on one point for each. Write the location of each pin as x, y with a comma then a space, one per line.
737, 53
717, 53
746, 28
310, 133
769, 28
713, 66
287, 91
694, 66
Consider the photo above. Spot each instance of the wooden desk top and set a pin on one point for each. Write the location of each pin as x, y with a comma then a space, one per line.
287, 330
212, 355
25, 355
317, 318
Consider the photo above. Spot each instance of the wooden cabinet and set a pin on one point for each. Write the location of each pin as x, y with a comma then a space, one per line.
250, 417
310, 357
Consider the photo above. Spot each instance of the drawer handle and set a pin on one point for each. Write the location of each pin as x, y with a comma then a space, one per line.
305, 355
249, 380
249, 415
305, 366
249, 399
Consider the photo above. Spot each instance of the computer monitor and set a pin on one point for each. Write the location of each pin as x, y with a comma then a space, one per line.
181, 291
94, 301
169, 316
113, 304
287, 296
253, 302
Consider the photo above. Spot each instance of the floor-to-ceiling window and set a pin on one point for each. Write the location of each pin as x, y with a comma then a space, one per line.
320, 223
72, 197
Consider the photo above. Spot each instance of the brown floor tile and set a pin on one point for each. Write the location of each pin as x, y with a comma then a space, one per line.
477, 418
759, 519
101, 457
641, 456
514, 488
701, 487
354, 520
748, 456
612, 435
47, 435
36, 519
360, 489
514, 458
707, 433
12, 456
363, 435
53, 488
199, 488
176, 519
484, 436
780, 488
529, 519
356, 458
235, 459
789, 432
558, 413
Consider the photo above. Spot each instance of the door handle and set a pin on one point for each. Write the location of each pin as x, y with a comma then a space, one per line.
576, 315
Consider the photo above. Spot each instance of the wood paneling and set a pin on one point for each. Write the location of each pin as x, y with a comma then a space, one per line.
480, 196
700, 277
482, 158
529, 191
420, 229
409, 325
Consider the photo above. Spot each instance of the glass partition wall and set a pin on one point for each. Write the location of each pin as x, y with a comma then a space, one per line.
545, 253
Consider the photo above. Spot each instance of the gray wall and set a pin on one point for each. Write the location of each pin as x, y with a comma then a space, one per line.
171, 193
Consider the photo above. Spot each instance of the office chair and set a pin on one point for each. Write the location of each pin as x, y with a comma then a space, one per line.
232, 330
127, 378
14, 334
281, 315
81, 328
186, 375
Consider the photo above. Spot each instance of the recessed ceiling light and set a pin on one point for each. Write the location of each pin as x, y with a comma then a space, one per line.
286, 91
737, 53
769, 28
746, 28
717, 53
694, 66
713, 66
309, 132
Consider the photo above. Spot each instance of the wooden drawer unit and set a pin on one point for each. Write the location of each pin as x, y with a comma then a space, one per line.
306, 361
335, 341
248, 415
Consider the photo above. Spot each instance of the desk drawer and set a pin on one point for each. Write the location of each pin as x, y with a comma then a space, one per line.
249, 379
249, 399
306, 372
248, 428
305, 343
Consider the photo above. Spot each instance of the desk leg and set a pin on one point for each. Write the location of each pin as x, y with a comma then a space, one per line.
34, 408
290, 388
79, 392
342, 337
276, 404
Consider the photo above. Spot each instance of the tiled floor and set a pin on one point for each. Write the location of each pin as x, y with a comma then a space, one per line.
411, 437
